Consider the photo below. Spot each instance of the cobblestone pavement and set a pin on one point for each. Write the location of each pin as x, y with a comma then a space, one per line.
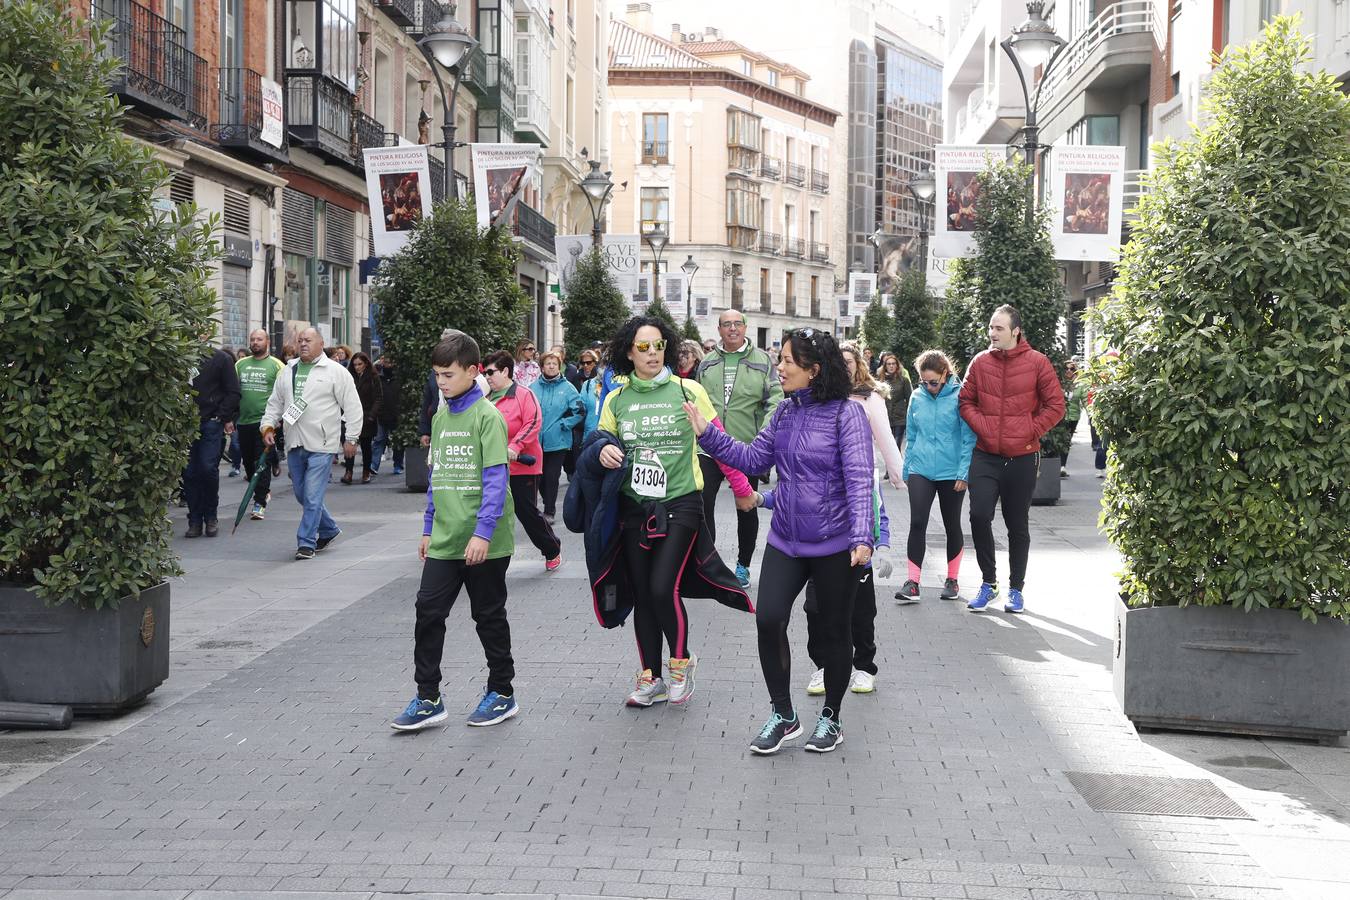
266, 763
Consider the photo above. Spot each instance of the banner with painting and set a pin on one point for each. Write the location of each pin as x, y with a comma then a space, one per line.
862, 287
398, 189
958, 169
501, 172
1087, 192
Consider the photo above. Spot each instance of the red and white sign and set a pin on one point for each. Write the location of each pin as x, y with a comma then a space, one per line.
273, 118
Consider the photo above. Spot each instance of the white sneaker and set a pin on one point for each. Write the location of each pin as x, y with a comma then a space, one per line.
681, 678
862, 682
649, 690
816, 686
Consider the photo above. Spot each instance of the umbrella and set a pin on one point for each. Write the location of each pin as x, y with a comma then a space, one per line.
248, 491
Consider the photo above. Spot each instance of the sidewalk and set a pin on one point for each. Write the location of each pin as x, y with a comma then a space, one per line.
266, 764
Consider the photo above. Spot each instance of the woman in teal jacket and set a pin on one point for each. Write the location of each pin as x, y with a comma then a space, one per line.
562, 410
938, 445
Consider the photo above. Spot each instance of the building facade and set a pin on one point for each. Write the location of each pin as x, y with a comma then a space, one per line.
722, 147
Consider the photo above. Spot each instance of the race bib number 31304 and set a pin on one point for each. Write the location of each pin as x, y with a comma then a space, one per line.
649, 476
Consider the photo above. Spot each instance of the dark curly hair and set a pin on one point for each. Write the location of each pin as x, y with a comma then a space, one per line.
813, 347
501, 359
623, 342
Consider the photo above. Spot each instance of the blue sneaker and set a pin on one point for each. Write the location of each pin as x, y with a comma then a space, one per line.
743, 575
398, 470
1014, 604
493, 708
988, 594
420, 714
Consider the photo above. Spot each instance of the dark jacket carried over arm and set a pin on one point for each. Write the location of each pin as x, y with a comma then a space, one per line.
217, 387
592, 508
389, 400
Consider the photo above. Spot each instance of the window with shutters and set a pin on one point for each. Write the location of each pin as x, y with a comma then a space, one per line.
297, 223
182, 188
339, 235
237, 213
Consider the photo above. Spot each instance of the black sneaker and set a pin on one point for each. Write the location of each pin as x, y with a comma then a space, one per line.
909, 593
828, 734
194, 530
775, 733
325, 541
951, 590
304, 553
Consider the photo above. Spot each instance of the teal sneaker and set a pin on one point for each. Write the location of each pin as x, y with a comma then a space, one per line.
743, 575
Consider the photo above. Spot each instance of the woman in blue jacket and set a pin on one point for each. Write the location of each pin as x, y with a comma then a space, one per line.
562, 410
938, 445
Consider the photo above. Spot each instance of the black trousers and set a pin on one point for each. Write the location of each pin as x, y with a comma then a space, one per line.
441, 582
862, 624
524, 497
747, 521
252, 449
1009, 482
921, 494
1072, 425
655, 570
781, 579
367, 456
548, 482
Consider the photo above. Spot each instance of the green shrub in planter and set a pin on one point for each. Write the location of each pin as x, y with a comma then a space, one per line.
452, 274
594, 307
1014, 262
103, 303
1228, 409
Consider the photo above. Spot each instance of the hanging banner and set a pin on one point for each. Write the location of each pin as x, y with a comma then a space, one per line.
621, 258
862, 286
500, 173
398, 189
1087, 193
273, 118
957, 169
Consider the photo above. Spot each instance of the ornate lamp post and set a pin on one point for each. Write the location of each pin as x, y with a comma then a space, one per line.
597, 186
448, 43
657, 239
923, 186
1032, 44
689, 267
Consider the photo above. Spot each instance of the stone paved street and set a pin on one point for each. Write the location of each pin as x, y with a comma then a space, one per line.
266, 763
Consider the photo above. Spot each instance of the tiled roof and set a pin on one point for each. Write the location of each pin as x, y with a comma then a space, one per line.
629, 47
717, 48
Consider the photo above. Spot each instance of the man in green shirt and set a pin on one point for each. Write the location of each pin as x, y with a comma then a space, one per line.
257, 374
468, 536
741, 381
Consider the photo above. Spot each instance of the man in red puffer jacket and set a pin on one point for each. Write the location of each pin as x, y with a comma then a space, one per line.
1010, 398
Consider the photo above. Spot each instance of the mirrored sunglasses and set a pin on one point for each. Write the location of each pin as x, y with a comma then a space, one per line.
645, 346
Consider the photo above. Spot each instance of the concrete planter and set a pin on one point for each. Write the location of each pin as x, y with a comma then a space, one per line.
97, 661
1047, 482
415, 474
1220, 669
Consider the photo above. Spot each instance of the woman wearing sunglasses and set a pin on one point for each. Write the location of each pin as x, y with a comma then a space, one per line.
645, 432
938, 446
822, 527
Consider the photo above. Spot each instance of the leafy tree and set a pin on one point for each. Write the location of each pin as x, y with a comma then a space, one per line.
690, 330
1014, 263
912, 307
594, 307
104, 303
658, 309
452, 274
878, 329
1227, 406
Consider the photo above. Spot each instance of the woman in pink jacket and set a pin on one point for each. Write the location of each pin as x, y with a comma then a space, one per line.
872, 394
520, 409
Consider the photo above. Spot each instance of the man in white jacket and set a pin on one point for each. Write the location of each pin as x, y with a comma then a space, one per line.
313, 396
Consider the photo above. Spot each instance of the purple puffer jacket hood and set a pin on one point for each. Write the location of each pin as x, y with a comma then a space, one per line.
823, 454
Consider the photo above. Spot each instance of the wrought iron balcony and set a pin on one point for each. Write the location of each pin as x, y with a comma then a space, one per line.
656, 152
437, 168
820, 252
770, 168
769, 242
369, 133
319, 114
425, 14
239, 121
794, 247
492, 79
402, 12
765, 302
159, 73
533, 228
795, 174
815, 307
820, 181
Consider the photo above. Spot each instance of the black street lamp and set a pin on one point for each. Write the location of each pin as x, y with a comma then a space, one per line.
1033, 43
657, 239
923, 186
689, 267
597, 186
449, 43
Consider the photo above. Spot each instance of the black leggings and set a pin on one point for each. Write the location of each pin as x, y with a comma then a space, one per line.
548, 482
747, 521
1010, 482
781, 579
524, 491
862, 624
654, 571
921, 493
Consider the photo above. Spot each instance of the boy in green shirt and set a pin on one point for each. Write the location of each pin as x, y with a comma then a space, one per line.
468, 536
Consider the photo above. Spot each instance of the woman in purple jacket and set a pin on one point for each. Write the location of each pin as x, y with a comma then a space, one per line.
822, 522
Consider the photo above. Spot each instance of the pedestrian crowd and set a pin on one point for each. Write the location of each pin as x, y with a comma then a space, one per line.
647, 428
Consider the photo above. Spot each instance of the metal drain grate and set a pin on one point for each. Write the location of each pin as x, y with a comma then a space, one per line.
1153, 796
